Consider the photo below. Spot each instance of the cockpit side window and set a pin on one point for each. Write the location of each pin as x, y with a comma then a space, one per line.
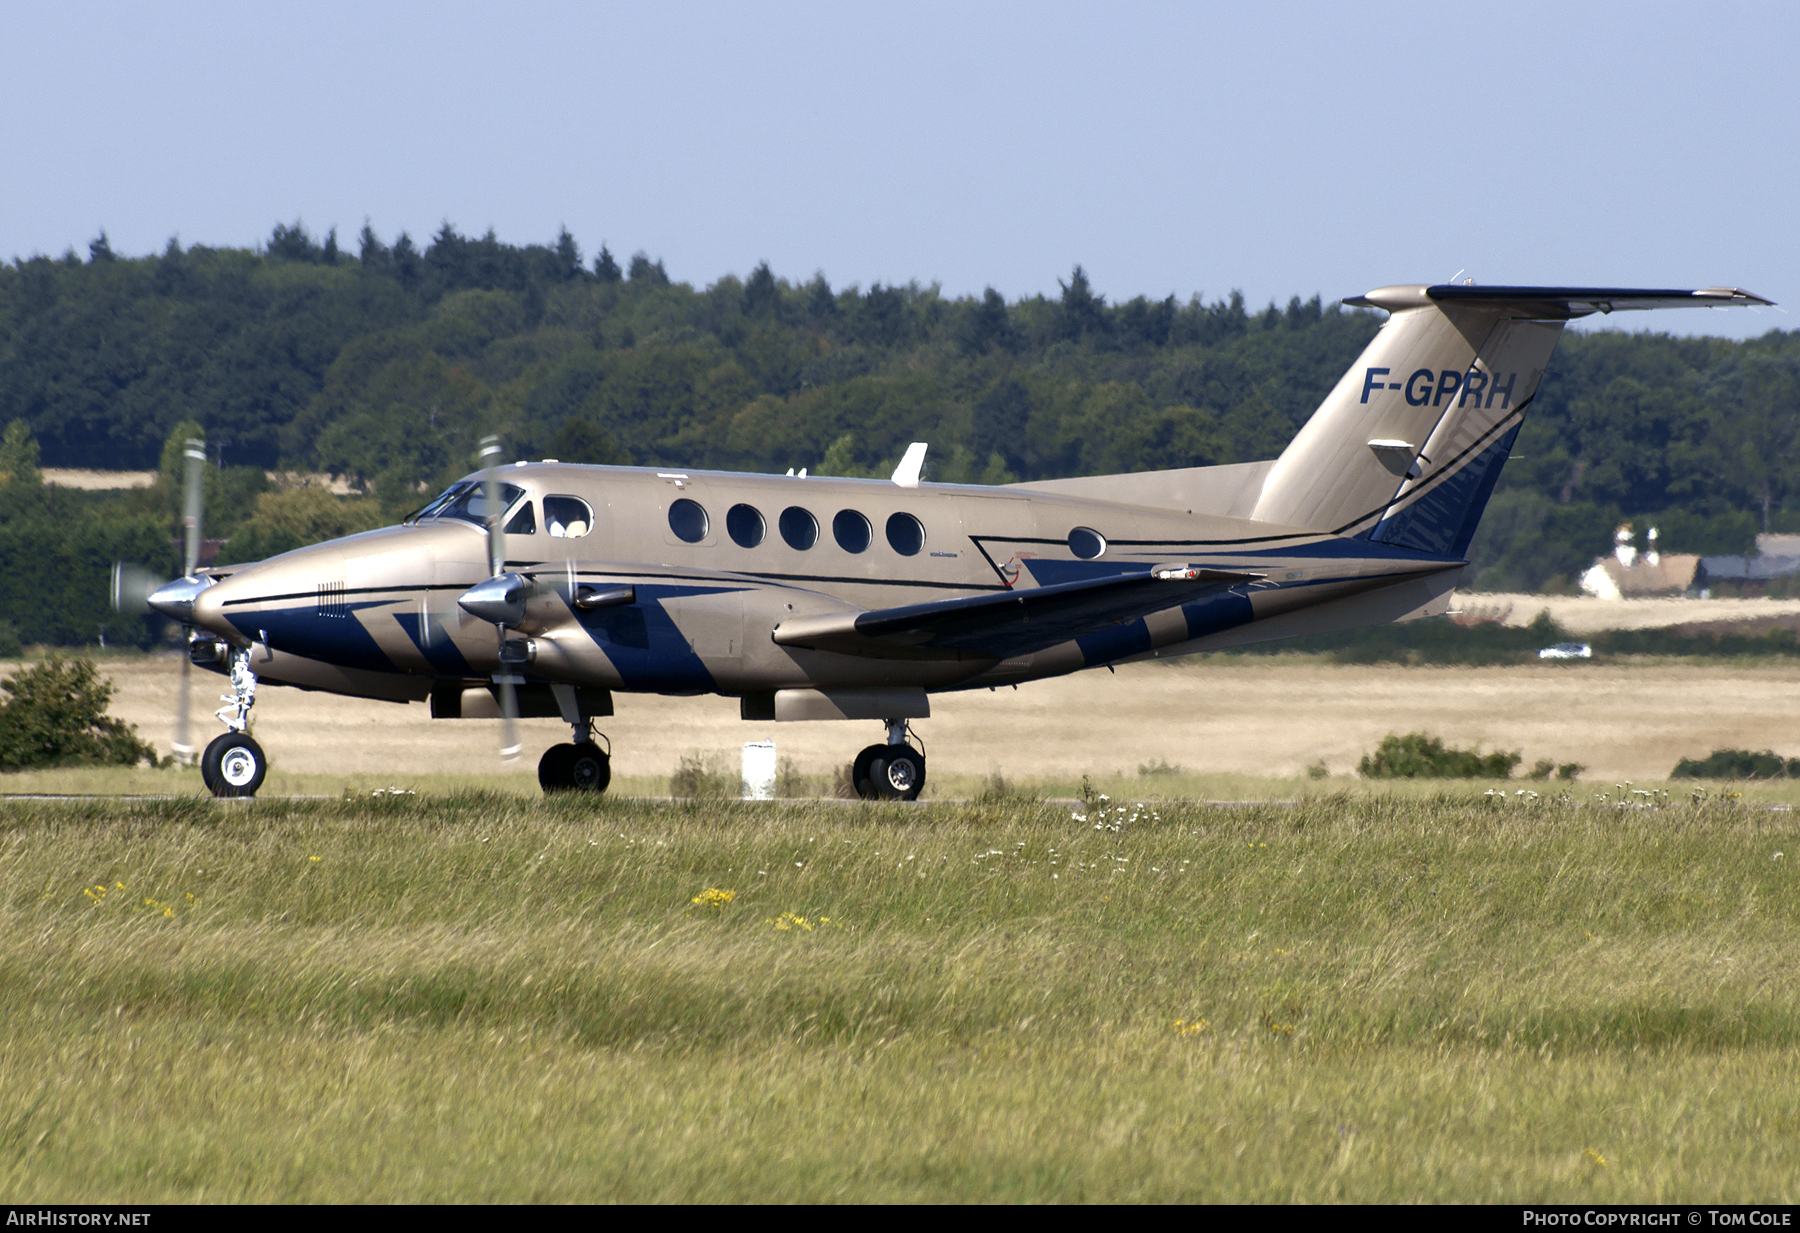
441, 500
567, 517
524, 522
468, 502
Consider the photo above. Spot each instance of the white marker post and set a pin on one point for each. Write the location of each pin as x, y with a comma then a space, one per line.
759, 771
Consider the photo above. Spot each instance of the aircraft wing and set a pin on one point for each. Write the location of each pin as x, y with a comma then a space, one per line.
1000, 626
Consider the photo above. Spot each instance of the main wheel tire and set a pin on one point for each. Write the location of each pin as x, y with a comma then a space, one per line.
900, 775
555, 768
234, 765
862, 772
590, 770
888, 773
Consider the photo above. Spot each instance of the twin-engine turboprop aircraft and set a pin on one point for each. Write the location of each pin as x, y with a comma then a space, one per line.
542, 589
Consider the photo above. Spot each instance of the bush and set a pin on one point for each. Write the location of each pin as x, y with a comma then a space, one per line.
790, 783
1418, 756
1545, 768
10, 645
1737, 764
703, 778
57, 717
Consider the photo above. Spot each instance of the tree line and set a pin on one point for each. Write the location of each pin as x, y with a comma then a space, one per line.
386, 361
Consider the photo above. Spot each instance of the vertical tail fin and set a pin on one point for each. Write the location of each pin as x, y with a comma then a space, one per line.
1407, 448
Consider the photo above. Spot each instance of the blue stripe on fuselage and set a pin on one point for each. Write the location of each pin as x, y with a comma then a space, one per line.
645, 645
439, 651
302, 631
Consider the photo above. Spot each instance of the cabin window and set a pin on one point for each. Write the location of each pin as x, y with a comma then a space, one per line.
745, 525
1086, 543
799, 528
688, 520
568, 517
905, 535
522, 523
852, 531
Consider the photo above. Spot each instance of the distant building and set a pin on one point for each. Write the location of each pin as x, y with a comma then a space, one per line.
1776, 556
1629, 574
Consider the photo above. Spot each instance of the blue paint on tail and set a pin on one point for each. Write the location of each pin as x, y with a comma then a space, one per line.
1442, 521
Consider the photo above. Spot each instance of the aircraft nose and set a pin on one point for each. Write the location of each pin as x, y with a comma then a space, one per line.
175, 600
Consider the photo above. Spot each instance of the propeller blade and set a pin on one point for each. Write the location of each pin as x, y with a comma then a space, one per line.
132, 586
192, 504
178, 601
510, 744
490, 462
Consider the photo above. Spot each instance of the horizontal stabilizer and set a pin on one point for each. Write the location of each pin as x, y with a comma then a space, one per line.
1554, 303
1000, 626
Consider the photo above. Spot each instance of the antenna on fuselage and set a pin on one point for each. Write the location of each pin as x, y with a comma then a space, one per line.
912, 465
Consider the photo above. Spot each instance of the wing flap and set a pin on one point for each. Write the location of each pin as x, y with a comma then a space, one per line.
999, 626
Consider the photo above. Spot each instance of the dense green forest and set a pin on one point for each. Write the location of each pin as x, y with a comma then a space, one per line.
387, 362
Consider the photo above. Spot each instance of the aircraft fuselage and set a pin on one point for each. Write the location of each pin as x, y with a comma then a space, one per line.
717, 563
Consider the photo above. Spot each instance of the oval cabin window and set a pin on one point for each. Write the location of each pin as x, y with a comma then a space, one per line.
688, 520
799, 529
745, 525
905, 535
1086, 543
852, 531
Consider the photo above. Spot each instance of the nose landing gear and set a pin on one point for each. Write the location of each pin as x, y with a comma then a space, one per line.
234, 764
891, 772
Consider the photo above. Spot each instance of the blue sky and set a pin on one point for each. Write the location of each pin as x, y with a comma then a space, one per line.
1280, 149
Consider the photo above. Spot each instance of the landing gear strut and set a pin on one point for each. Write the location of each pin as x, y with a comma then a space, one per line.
234, 764
891, 772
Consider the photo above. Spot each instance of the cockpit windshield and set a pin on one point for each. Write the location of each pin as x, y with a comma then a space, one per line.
468, 502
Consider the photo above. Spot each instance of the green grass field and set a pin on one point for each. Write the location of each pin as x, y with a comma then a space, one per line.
469, 996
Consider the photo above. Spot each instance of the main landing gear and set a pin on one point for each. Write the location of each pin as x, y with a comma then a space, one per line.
891, 772
234, 764
580, 766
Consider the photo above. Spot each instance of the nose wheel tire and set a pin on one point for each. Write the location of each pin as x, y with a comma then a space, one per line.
233, 765
888, 773
574, 768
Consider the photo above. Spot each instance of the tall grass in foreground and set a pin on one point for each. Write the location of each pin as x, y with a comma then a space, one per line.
473, 997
